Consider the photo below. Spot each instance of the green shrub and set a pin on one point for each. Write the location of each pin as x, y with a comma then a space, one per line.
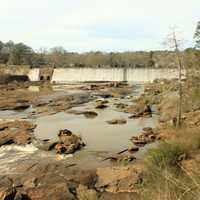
165, 178
165, 155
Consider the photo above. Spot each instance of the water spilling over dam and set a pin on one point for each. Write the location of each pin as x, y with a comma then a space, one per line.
34, 74
64, 75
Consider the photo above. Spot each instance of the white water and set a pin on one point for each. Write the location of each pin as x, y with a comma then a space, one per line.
111, 74
34, 74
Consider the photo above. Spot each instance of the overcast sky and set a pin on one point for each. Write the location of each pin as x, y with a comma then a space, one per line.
107, 25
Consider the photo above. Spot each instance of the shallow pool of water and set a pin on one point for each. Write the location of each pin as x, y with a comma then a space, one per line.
96, 132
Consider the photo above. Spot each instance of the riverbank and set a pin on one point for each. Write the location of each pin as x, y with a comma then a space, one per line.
172, 168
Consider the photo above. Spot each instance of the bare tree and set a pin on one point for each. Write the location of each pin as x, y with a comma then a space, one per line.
175, 43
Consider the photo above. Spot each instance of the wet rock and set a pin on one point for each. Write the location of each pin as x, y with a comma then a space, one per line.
14, 104
60, 102
139, 141
117, 121
147, 130
5, 139
67, 143
105, 95
18, 124
120, 92
87, 114
18, 132
120, 158
21, 105
3, 127
147, 136
17, 137
90, 114
121, 106
69, 149
133, 149
65, 132
45, 145
101, 105
135, 115
126, 158
22, 138
99, 101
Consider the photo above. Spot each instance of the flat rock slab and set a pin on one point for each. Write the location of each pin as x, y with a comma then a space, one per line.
119, 179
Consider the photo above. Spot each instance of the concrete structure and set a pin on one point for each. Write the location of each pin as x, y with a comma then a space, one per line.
46, 73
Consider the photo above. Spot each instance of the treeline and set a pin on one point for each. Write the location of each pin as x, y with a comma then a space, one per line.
22, 54
19, 54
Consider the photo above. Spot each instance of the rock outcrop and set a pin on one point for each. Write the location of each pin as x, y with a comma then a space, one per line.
119, 179
17, 132
67, 143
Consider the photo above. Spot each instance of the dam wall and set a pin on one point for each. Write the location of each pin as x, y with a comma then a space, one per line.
87, 74
112, 74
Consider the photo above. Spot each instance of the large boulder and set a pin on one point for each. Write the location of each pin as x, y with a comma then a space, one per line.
67, 143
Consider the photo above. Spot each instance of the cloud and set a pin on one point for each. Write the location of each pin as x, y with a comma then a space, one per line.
108, 25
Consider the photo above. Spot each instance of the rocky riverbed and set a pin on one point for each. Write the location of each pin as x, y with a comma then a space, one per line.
80, 141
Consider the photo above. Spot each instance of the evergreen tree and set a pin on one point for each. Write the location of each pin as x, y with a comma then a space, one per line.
20, 54
197, 36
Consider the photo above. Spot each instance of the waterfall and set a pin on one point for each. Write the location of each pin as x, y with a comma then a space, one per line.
34, 74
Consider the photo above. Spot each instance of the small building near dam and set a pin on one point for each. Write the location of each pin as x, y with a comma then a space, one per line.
46, 73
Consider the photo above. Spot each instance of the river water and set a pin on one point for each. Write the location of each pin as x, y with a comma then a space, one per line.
101, 138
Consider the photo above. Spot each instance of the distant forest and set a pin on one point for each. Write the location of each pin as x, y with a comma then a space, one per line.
20, 54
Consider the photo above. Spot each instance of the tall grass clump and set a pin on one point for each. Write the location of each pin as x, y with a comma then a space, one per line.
165, 176
165, 157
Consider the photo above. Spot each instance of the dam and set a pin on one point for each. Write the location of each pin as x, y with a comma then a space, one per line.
65, 75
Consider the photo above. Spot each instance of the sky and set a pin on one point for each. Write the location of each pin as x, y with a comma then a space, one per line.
92, 25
